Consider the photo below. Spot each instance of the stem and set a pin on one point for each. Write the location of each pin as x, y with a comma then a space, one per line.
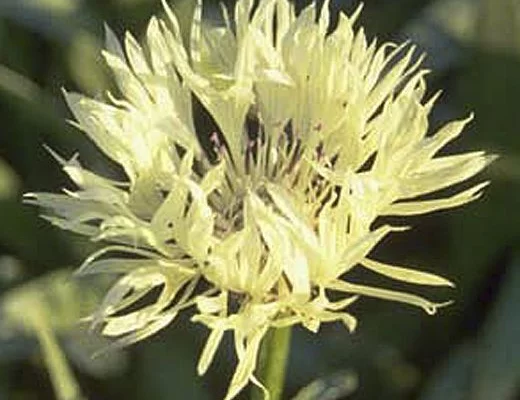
273, 357
63, 381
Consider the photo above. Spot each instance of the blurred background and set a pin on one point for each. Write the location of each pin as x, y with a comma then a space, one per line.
470, 350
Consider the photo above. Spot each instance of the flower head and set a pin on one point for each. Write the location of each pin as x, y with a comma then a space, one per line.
257, 224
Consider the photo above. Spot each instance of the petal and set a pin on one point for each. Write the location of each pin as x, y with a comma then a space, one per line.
246, 364
402, 297
426, 206
210, 348
406, 274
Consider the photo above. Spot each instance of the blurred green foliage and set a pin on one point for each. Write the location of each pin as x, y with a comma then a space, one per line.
469, 351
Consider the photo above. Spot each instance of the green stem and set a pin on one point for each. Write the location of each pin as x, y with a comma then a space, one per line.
63, 381
272, 363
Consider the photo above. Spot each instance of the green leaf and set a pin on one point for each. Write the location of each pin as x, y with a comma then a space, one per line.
333, 387
497, 363
490, 85
55, 19
8, 181
487, 367
453, 379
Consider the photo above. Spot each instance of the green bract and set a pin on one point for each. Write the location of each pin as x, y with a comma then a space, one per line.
319, 134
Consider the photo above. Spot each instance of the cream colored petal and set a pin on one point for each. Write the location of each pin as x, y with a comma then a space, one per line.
385, 294
389, 83
136, 57
128, 82
212, 304
428, 181
246, 364
195, 33
429, 147
358, 250
426, 206
106, 135
283, 246
112, 43
210, 348
213, 178
149, 330
406, 274
115, 265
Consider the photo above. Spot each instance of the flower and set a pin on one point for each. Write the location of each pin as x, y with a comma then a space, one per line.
256, 224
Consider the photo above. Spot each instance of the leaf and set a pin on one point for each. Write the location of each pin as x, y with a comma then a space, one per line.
481, 231
336, 386
8, 181
453, 379
488, 366
19, 85
56, 19
82, 344
497, 363
43, 308
67, 22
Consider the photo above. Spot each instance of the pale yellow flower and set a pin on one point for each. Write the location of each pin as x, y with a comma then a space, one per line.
319, 135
